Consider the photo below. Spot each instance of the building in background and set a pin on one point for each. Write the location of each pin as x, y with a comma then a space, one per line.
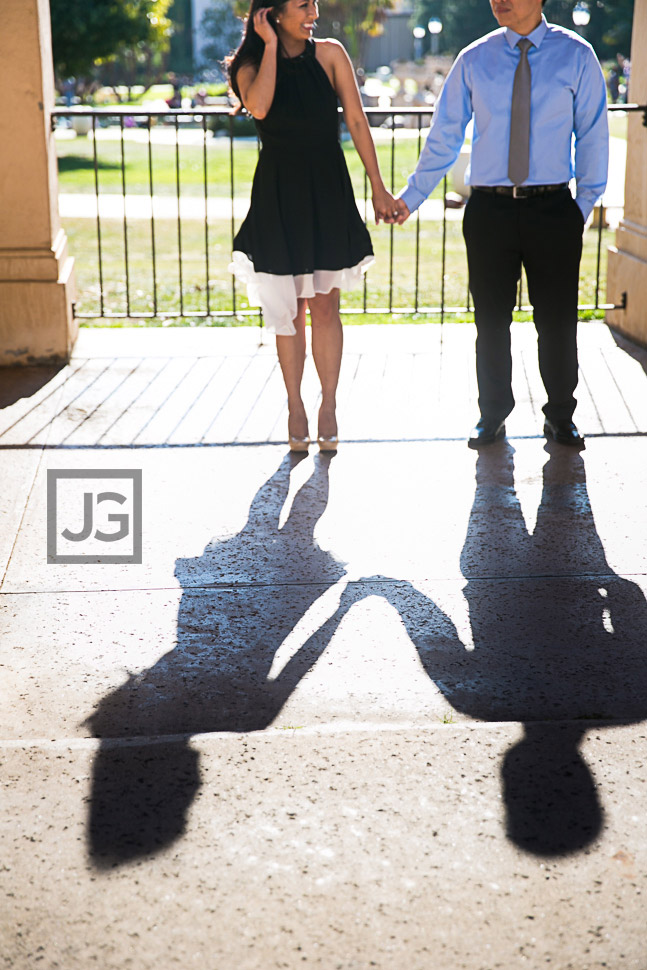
395, 43
198, 11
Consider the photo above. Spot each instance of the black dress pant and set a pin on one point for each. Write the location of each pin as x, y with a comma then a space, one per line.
544, 233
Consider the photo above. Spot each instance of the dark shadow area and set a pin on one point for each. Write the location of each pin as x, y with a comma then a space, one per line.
559, 639
81, 163
630, 347
239, 603
551, 799
569, 644
559, 645
140, 798
19, 382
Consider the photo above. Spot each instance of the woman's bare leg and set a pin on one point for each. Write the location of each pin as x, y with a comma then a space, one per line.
292, 354
327, 344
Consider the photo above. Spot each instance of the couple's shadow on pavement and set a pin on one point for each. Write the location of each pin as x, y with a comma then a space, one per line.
239, 603
558, 641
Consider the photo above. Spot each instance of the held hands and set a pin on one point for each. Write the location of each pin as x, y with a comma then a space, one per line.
390, 210
264, 27
402, 212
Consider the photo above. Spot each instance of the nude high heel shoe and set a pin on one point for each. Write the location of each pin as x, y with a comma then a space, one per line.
298, 444
328, 444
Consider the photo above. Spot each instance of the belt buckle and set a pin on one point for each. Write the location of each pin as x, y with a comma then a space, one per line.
516, 194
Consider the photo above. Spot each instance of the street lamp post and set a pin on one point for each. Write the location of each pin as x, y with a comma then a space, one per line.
418, 37
434, 27
581, 16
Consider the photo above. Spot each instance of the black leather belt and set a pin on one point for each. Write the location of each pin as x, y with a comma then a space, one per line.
520, 191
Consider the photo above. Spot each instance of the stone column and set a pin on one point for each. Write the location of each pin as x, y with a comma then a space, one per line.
36, 273
627, 271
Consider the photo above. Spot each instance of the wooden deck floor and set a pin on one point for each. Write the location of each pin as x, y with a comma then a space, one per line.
181, 387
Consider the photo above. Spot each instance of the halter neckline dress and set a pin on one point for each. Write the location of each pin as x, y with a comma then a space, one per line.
303, 233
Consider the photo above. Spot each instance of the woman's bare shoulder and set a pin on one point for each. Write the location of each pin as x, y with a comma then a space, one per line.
330, 49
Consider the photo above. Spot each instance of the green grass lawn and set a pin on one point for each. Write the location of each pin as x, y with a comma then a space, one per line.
196, 277
76, 166
206, 283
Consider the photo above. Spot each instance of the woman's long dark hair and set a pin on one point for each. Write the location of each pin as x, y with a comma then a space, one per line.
251, 47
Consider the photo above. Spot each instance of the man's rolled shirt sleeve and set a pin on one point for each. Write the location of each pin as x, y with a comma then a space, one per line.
446, 136
591, 129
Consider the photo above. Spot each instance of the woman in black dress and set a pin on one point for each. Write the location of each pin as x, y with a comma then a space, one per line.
303, 237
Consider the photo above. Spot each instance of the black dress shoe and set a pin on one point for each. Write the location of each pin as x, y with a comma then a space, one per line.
564, 432
486, 432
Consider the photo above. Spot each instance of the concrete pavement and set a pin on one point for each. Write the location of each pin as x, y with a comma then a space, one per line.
381, 709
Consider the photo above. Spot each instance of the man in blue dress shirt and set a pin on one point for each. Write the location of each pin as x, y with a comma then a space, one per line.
521, 210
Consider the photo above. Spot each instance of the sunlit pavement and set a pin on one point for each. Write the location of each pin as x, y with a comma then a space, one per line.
379, 709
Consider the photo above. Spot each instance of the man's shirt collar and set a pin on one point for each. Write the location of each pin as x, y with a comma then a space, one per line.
535, 37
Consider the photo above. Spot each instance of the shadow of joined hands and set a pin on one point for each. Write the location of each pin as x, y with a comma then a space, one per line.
558, 640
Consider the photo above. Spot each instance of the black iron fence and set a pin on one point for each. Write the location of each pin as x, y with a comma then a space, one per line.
152, 201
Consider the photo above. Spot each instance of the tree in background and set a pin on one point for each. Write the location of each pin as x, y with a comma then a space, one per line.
87, 31
352, 20
618, 32
609, 30
357, 20
463, 20
180, 56
221, 32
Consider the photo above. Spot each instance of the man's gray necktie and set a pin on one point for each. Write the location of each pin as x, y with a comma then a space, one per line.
519, 154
